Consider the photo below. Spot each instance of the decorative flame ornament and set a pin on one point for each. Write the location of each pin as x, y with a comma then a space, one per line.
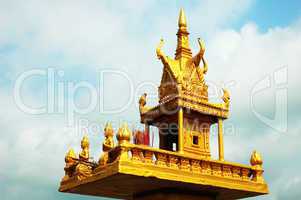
124, 134
256, 159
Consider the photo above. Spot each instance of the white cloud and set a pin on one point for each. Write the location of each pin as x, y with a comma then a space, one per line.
247, 56
100, 33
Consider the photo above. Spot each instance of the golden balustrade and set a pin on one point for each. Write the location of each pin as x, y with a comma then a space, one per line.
173, 160
144, 161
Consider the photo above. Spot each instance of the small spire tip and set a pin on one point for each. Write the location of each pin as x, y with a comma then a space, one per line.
182, 18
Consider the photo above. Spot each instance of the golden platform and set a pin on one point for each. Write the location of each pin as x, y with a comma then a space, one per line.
140, 170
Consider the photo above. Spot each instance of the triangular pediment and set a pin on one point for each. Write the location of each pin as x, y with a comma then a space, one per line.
167, 77
168, 86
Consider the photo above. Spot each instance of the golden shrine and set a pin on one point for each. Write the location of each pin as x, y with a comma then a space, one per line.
182, 167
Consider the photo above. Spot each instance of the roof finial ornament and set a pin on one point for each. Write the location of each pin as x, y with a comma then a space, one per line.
200, 57
159, 51
183, 49
182, 19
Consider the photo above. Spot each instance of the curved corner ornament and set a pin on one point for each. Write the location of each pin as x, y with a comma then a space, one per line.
201, 55
160, 54
159, 51
256, 162
142, 104
197, 60
226, 98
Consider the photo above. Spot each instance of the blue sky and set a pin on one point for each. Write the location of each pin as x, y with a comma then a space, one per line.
269, 13
252, 47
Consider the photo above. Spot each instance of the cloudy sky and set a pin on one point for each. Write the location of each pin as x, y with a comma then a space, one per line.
68, 67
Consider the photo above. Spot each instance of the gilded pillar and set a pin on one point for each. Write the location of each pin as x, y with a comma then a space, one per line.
180, 131
220, 140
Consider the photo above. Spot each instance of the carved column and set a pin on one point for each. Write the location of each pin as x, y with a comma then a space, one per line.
220, 140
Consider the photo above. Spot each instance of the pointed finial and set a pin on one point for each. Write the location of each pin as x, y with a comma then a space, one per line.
71, 153
70, 156
85, 142
183, 50
182, 19
108, 129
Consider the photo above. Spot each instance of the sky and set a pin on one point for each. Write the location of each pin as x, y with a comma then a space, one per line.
67, 67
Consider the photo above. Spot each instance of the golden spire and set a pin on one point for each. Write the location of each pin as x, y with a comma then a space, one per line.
182, 19
183, 49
